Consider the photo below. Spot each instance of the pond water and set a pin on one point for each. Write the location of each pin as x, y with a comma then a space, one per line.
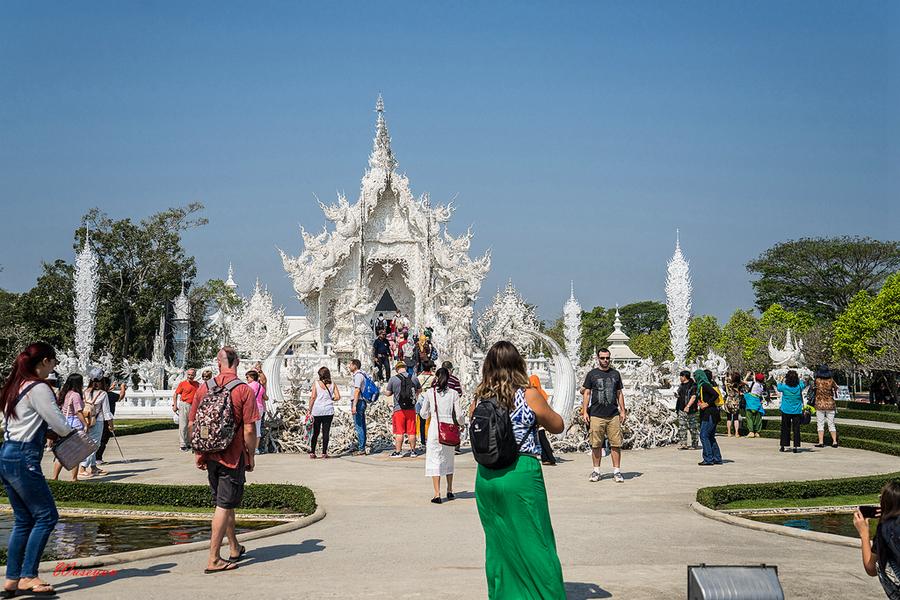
836, 523
90, 536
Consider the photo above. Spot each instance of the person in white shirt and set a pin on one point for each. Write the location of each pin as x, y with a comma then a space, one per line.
321, 408
29, 409
96, 408
440, 403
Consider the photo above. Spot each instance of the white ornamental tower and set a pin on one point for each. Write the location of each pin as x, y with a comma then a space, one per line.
678, 303
572, 327
87, 282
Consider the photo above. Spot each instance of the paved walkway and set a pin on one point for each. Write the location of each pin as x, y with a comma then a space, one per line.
383, 539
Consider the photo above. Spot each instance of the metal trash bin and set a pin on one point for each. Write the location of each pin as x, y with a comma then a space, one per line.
734, 582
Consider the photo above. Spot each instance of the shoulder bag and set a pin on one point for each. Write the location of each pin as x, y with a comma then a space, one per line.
74, 448
448, 433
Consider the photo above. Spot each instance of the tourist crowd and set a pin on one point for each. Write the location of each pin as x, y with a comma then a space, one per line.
509, 418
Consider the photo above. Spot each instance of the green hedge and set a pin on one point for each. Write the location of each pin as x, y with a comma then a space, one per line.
888, 408
289, 498
143, 426
859, 415
861, 432
714, 497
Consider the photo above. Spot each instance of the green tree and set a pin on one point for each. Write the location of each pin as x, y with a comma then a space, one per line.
596, 325
142, 265
822, 275
865, 317
778, 319
655, 344
643, 317
741, 344
555, 330
47, 310
703, 335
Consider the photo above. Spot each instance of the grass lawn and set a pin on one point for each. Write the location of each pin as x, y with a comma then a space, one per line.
794, 502
157, 508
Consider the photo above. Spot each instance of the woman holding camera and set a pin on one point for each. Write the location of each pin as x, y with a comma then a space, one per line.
881, 556
29, 408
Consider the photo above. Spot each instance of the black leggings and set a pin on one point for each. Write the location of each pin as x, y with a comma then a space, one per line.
323, 423
790, 424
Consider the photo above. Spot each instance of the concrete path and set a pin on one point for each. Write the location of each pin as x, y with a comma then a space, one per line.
383, 539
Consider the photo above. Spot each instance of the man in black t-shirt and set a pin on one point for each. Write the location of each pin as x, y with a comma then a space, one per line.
686, 411
603, 407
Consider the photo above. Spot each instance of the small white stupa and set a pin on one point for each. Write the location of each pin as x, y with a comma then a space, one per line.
618, 345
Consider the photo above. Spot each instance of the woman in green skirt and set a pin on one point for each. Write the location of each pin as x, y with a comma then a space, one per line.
520, 549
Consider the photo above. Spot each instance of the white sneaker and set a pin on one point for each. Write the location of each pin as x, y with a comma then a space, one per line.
618, 477
595, 477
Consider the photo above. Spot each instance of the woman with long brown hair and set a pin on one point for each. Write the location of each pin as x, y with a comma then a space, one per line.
29, 408
881, 556
321, 408
520, 548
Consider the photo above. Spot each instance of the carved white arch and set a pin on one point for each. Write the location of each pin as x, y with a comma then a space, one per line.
272, 364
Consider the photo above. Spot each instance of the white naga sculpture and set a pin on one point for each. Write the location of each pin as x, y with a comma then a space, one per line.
387, 246
572, 327
257, 326
715, 363
507, 318
790, 356
678, 303
87, 282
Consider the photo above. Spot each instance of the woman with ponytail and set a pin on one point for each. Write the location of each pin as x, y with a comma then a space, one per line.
29, 408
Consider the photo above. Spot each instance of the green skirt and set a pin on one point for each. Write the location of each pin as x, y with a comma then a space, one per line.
520, 549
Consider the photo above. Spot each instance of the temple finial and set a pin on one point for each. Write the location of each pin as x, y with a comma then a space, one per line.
382, 156
677, 238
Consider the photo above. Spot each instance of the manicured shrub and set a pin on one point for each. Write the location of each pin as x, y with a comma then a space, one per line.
859, 415
124, 428
714, 497
289, 498
888, 408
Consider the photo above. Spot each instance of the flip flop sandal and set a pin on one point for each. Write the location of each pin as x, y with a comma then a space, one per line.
46, 591
240, 555
228, 566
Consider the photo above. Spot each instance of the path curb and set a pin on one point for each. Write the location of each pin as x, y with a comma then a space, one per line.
135, 555
812, 536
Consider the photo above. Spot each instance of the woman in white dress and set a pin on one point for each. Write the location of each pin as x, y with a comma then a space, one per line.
443, 402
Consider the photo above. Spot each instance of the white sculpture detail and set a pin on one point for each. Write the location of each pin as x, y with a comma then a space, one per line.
678, 303
572, 327
791, 356
507, 318
258, 325
87, 282
387, 242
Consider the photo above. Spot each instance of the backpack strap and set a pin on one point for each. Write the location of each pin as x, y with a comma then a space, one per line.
229, 387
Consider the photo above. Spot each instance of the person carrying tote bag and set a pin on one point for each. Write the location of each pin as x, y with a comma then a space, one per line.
441, 403
29, 410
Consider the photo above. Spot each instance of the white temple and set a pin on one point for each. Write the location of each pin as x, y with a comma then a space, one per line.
617, 343
389, 249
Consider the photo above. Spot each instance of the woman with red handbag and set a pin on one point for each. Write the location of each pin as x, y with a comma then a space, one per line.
441, 404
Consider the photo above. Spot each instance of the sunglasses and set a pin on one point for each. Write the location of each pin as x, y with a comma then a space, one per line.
603, 358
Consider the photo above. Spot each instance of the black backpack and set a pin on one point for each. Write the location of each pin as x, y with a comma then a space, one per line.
491, 433
407, 396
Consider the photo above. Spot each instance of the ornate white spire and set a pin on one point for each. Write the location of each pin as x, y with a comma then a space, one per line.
87, 282
572, 326
678, 302
259, 325
382, 156
230, 281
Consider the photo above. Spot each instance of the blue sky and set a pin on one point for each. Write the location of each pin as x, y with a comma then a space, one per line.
575, 137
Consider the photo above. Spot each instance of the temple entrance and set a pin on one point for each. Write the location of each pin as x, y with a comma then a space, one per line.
386, 304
